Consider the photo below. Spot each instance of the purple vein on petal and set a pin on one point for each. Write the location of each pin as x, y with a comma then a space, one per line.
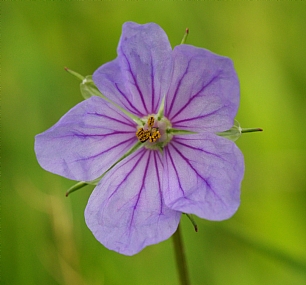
176, 172
189, 164
196, 172
79, 134
141, 189
195, 95
128, 123
198, 117
177, 88
129, 173
152, 86
136, 83
131, 107
159, 182
100, 153
196, 148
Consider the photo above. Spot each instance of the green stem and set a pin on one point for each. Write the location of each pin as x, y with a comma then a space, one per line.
180, 257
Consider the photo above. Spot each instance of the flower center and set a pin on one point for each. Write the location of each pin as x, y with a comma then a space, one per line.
151, 133
154, 132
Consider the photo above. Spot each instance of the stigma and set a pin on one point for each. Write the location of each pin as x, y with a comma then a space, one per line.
151, 133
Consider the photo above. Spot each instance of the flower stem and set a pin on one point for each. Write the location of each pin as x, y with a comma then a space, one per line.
180, 257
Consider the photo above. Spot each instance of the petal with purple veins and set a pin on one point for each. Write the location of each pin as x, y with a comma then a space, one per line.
204, 92
126, 211
139, 77
202, 176
86, 141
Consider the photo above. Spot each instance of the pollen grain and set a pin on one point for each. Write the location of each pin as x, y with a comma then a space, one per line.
151, 134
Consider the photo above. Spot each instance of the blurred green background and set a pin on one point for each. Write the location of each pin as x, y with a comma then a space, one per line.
44, 236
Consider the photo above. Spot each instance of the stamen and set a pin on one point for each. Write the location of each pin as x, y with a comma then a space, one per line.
151, 134
155, 135
143, 135
150, 122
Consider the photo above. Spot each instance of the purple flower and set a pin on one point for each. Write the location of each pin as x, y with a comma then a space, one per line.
153, 141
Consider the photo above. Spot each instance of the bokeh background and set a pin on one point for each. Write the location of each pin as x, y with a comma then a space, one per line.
44, 236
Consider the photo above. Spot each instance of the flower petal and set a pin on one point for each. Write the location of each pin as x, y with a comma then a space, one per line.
139, 77
204, 93
126, 211
203, 173
86, 141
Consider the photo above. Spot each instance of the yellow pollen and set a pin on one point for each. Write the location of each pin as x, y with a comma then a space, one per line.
143, 135
150, 122
151, 134
155, 135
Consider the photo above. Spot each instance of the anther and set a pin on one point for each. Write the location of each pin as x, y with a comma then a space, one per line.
150, 122
143, 135
151, 134
155, 135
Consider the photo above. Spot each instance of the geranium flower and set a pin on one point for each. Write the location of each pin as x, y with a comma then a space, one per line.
152, 139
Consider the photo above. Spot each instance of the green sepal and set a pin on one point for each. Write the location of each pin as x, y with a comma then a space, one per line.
82, 184
77, 75
195, 226
179, 132
89, 89
87, 86
160, 113
137, 146
76, 187
233, 133
251, 130
185, 36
